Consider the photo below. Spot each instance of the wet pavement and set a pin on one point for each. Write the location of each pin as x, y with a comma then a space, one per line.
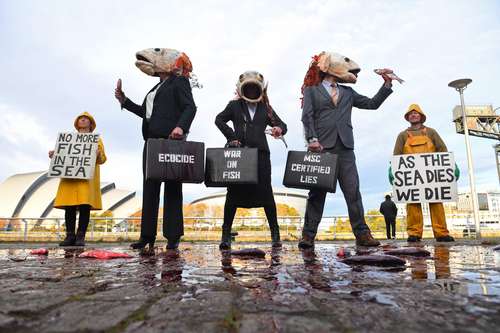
199, 289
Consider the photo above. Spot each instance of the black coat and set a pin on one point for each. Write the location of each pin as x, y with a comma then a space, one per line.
173, 107
388, 209
251, 134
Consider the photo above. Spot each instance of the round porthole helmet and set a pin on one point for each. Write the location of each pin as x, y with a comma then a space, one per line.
251, 86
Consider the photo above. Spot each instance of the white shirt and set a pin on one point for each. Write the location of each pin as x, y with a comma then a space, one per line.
150, 100
252, 108
328, 86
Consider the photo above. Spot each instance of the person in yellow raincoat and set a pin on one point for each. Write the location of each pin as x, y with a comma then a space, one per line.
419, 139
82, 195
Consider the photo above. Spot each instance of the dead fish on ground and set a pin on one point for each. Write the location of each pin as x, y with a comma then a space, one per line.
408, 251
374, 260
257, 253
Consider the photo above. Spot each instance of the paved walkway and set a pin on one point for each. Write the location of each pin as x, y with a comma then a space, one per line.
198, 289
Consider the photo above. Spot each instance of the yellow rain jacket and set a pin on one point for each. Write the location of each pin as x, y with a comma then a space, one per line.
73, 192
417, 144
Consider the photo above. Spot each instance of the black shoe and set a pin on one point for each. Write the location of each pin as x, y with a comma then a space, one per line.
223, 246
173, 244
68, 241
445, 239
277, 244
141, 244
306, 242
80, 240
413, 239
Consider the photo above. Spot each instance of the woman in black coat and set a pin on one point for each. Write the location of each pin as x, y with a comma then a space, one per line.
250, 115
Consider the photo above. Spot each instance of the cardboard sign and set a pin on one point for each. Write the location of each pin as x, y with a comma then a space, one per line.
74, 156
230, 166
308, 170
175, 160
428, 177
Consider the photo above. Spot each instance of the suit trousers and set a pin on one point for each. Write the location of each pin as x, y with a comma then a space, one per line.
173, 220
349, 183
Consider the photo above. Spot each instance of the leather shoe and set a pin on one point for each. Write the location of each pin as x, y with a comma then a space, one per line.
366, 239
306, 242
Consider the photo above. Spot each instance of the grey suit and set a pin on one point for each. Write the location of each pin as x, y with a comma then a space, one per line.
333, 127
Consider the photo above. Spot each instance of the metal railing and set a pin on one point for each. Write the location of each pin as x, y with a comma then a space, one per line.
248, 228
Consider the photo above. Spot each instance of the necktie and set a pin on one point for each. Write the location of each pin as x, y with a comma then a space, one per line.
335, 94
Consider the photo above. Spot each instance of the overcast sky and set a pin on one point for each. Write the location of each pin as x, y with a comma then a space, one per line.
59, 58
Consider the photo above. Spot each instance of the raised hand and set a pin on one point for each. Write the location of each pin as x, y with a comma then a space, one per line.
51, 153
119, 94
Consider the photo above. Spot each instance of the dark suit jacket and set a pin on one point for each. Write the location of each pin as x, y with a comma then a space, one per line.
249, 132
173, 107
325, 121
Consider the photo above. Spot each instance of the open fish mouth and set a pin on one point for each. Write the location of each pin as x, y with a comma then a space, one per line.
355, 71
140, 57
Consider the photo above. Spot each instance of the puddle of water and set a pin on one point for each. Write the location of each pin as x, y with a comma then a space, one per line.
471, 270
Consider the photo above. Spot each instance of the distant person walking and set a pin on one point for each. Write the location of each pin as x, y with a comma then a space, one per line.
390, 211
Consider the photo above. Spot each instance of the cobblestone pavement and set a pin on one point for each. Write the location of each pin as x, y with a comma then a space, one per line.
199, 289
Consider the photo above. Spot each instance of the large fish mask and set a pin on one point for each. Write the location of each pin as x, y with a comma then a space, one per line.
157, 60
343, 68
251, 86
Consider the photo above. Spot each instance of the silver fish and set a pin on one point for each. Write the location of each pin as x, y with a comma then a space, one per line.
282, 138
389, 73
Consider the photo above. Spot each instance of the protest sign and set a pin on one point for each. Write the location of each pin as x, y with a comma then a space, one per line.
230, 166
308, 170
176, 160
428, 177
74, 156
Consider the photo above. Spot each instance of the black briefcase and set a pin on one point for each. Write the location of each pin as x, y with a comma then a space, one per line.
308, 170
231, 166
175, 160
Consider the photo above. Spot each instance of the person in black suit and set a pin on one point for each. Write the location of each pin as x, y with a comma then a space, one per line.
167, 112
251, 113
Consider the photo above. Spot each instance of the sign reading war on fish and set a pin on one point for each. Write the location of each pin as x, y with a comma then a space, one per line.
426, 177
74, 156
230, 166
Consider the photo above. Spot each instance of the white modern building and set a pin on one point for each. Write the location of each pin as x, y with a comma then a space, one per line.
31, 196
293, 198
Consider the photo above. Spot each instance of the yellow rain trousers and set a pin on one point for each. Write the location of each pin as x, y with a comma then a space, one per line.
418, 144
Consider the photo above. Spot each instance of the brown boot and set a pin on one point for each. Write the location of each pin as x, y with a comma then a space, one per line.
366, 239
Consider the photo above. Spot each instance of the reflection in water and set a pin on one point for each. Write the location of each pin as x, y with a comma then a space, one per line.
466, 269
441, 262
314, 267
172, 266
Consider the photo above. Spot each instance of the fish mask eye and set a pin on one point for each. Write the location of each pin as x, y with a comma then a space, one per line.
261, 78
242, 76
157, 50
347, 59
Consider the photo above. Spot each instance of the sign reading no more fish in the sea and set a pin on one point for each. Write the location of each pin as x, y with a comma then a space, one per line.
74, 156
428, 177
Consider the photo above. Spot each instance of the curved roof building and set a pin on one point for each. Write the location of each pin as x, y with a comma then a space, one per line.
293, 198
31, 195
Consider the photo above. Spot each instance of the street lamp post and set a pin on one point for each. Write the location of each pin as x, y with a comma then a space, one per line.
460, 85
